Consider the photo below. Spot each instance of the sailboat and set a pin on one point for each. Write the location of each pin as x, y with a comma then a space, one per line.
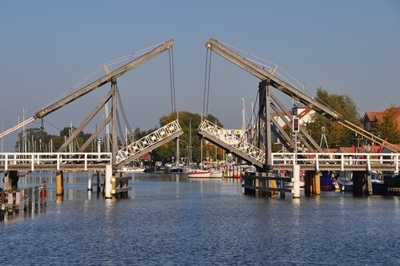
199, 173
176, 169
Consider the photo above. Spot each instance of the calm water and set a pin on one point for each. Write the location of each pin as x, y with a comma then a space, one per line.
170, 220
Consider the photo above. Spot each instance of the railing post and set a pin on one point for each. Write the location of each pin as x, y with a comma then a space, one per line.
85, 161
58, 162
341, 162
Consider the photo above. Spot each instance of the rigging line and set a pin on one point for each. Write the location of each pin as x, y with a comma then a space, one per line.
131, 55
247, 53
52, 125
120, 132
302, 84
261, 60
255, 118
284, 78
252, 112
205, 84
76, 85
208, 85
123, 112
112, 62
172, 80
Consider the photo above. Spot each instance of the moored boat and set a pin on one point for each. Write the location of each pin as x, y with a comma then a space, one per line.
216, 173
199, 173
326, 181
175, 170
345, 182
132, 169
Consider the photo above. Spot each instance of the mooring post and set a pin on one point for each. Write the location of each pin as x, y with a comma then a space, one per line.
10, 201
17, 200
3, 200
59, 186
44, 191
296, 181
30, 197
89, 184
317, 183
25, 199
98, 181
107, 182
273, 185
3, 205
36, 193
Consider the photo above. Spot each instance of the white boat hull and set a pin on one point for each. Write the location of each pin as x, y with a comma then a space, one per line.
216, 174
135, 169
199, 174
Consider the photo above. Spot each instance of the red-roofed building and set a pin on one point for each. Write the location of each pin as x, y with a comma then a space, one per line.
372, 118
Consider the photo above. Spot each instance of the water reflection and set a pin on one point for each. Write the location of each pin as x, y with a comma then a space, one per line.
168, 219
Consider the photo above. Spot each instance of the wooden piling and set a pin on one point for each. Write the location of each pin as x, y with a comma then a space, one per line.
59, 183
360, 186
317, 183
17, 200
36, 194
10, 201
3, 200
98, 181
44, 188
25, 195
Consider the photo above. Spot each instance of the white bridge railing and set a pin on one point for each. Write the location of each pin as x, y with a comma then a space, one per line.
369, 160
236, 143
170, 130
33, 160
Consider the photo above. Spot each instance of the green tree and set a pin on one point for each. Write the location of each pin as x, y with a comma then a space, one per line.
31, 139
189, 122
387, 127
336, 134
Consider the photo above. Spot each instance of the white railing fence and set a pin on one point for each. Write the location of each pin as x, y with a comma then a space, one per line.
43, 158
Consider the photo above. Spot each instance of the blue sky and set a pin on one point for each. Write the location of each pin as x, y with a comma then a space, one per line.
47, 47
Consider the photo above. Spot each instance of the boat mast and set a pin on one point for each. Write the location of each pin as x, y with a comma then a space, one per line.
190, 142
243, 119
177, 143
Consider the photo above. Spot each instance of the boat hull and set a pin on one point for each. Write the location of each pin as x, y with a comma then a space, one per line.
326, 181
199, 174
175, 170
216, 174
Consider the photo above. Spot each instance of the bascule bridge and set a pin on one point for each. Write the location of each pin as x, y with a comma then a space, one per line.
260, 154
98, 161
